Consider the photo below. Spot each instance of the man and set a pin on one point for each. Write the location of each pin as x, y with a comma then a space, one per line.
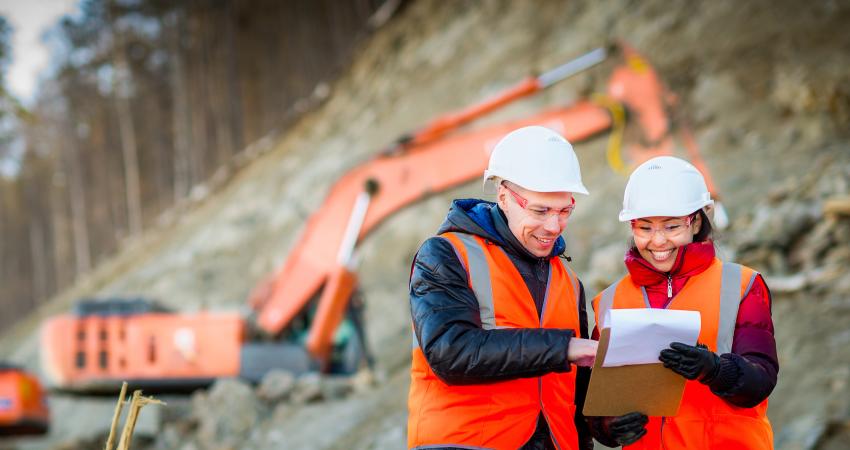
498, 317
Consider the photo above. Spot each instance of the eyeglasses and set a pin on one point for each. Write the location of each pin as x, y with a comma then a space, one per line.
670, 229
542, 212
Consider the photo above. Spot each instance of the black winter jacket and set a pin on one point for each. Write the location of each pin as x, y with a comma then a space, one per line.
447, 322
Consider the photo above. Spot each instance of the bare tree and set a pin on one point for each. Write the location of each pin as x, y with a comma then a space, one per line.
121, 91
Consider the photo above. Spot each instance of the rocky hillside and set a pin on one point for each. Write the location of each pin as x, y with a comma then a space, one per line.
765, 85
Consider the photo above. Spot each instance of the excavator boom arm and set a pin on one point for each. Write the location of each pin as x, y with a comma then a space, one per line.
403, 179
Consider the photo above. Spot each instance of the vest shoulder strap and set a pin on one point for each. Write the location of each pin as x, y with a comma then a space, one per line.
606, 302
574, 282
471, 255
732, 292
471, 252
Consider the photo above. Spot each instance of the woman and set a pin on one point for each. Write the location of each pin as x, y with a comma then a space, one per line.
672, 264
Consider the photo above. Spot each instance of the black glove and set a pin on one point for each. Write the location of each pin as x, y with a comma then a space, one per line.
626, 429
691, 362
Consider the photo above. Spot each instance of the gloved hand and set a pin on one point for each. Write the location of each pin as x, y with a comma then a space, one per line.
691, 362
626, 429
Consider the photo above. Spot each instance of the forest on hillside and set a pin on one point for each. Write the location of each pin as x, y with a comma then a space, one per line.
148, 105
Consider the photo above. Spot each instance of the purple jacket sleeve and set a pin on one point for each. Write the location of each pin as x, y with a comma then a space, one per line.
748, 374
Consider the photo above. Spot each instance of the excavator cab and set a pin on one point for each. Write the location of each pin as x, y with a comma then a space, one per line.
346, 348
23, 403
347, 351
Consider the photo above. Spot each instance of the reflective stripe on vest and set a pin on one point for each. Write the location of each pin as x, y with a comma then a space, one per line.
479, 279
704, 420
730, 301
499, 414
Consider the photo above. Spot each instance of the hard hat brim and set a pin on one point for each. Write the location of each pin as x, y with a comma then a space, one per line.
628, 215
491, 186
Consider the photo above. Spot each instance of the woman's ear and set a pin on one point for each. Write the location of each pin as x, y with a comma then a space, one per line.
709, 212
696, 224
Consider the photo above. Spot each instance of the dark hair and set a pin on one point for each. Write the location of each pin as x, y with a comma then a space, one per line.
706, 231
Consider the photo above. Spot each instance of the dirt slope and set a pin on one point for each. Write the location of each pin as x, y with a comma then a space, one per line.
765, 84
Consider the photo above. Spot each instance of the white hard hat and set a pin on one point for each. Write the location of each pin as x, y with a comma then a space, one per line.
536, 158
664, 186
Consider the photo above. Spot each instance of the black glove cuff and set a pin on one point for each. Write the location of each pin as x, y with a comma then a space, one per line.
727, 375
710, 376
600, 432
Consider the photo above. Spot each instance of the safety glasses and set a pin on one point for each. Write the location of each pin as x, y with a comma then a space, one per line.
542, 213
671, 228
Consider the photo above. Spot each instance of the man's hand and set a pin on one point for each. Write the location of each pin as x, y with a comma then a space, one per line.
582, 352
626, 429
691, 362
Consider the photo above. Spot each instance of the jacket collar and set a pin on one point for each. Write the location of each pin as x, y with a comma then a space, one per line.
486, 219
691, 259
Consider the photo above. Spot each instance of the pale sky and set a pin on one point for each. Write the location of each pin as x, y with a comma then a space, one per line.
29, 19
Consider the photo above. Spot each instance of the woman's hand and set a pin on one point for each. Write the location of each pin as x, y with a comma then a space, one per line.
691, 362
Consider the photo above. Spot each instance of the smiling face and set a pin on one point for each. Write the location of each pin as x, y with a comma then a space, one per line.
539, 222
658, 238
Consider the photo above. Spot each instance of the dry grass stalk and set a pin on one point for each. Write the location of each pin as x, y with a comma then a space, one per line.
136, 405
118, 406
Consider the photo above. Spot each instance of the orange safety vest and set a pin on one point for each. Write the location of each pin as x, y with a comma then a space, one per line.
501, 415
704, 420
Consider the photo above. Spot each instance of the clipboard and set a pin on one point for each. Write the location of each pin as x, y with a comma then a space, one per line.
649, 388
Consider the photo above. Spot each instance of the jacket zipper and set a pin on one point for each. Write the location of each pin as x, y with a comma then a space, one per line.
540, 278
669, 287
540, 265
540, 379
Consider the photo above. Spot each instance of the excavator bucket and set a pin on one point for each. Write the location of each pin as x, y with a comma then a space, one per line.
636, 85
23, 403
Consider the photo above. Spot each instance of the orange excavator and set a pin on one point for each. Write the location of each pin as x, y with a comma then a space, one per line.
23, 403
307, 315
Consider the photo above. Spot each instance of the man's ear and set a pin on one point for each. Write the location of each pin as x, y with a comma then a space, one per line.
502, 197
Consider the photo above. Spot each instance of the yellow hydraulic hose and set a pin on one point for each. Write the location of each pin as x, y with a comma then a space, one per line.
615, 140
